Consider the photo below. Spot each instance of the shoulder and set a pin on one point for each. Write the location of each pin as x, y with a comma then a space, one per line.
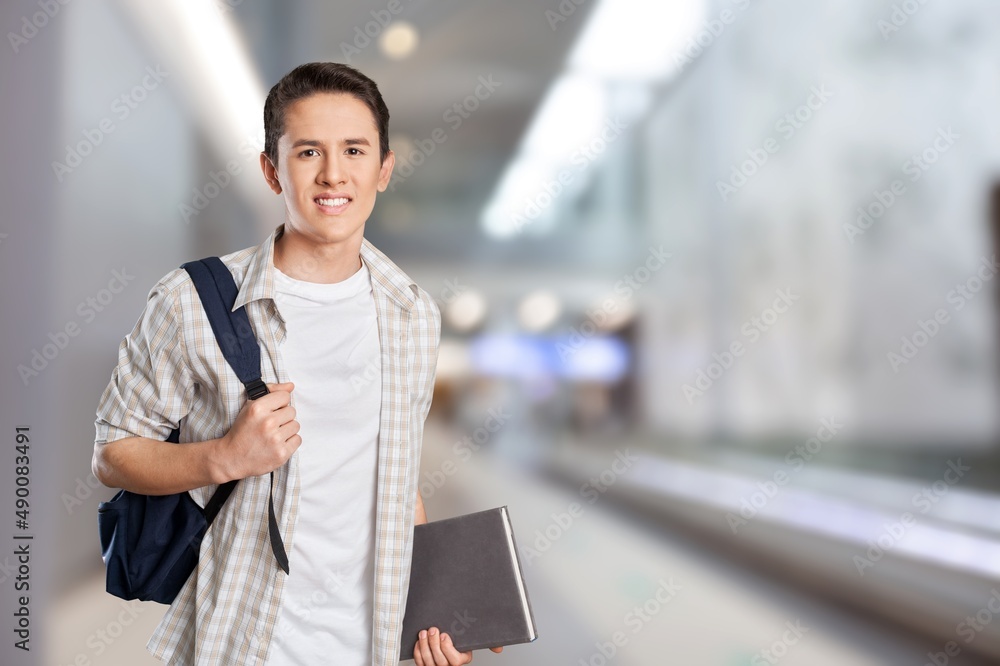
166, 295
239, 262
176, 290
426, 309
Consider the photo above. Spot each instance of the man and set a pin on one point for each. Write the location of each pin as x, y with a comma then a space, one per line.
349, 346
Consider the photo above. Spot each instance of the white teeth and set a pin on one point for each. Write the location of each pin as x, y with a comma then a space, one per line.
339, 201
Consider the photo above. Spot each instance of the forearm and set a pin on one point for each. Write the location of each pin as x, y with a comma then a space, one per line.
152, 467
419, 515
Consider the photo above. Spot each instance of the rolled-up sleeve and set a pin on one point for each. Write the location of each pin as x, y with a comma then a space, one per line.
150, 389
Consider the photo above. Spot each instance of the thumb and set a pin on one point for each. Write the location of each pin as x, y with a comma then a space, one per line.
284, 386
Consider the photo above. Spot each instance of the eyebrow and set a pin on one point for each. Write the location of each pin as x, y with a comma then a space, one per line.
360, 141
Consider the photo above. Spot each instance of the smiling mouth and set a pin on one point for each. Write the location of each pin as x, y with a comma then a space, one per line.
332, 205
339, 201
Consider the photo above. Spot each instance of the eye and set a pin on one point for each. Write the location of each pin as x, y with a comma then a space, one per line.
356, 151
308, 150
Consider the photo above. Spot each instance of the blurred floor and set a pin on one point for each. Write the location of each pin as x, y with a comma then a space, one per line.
89, 626
609, 561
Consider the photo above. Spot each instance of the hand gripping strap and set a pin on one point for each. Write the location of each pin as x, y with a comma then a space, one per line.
217, 290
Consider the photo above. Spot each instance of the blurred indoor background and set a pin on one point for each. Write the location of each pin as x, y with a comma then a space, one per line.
717, 279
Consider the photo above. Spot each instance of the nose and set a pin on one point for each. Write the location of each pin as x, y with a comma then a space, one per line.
332, 171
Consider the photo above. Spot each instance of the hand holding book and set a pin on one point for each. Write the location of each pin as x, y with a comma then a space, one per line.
434, 648
466, 590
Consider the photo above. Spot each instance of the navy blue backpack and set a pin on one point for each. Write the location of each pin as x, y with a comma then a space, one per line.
150, 543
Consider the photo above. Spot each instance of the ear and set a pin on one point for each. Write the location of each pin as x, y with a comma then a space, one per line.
270, 173
386, 171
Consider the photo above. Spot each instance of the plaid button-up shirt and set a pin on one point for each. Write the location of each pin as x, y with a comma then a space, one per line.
172, 372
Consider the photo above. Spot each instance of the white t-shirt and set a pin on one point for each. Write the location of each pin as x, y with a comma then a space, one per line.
331, 352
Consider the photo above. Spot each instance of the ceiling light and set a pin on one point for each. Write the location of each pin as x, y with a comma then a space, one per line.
399, 40
539, 310
467, 311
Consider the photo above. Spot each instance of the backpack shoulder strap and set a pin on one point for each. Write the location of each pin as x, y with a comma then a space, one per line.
217, 290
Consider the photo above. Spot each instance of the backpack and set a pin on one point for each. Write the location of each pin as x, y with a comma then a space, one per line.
150, 543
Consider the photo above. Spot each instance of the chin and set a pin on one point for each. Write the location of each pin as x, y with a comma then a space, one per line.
336, 233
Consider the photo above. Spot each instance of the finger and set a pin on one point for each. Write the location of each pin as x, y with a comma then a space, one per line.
452, 654
287, 448
284, 415
425, 649
272, 402
288, 429
418, 658
434, 640
498, 650
280, 393
434, 643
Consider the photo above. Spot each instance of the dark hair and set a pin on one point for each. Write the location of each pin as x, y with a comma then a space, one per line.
322, 77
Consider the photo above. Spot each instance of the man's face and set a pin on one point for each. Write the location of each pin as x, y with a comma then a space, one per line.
328, 167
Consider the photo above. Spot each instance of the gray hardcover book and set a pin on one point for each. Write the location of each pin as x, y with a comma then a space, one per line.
466, 580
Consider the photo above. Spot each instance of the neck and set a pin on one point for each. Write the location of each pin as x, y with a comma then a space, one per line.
302, 258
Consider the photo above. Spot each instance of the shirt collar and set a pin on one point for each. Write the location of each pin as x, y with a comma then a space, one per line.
258, 282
